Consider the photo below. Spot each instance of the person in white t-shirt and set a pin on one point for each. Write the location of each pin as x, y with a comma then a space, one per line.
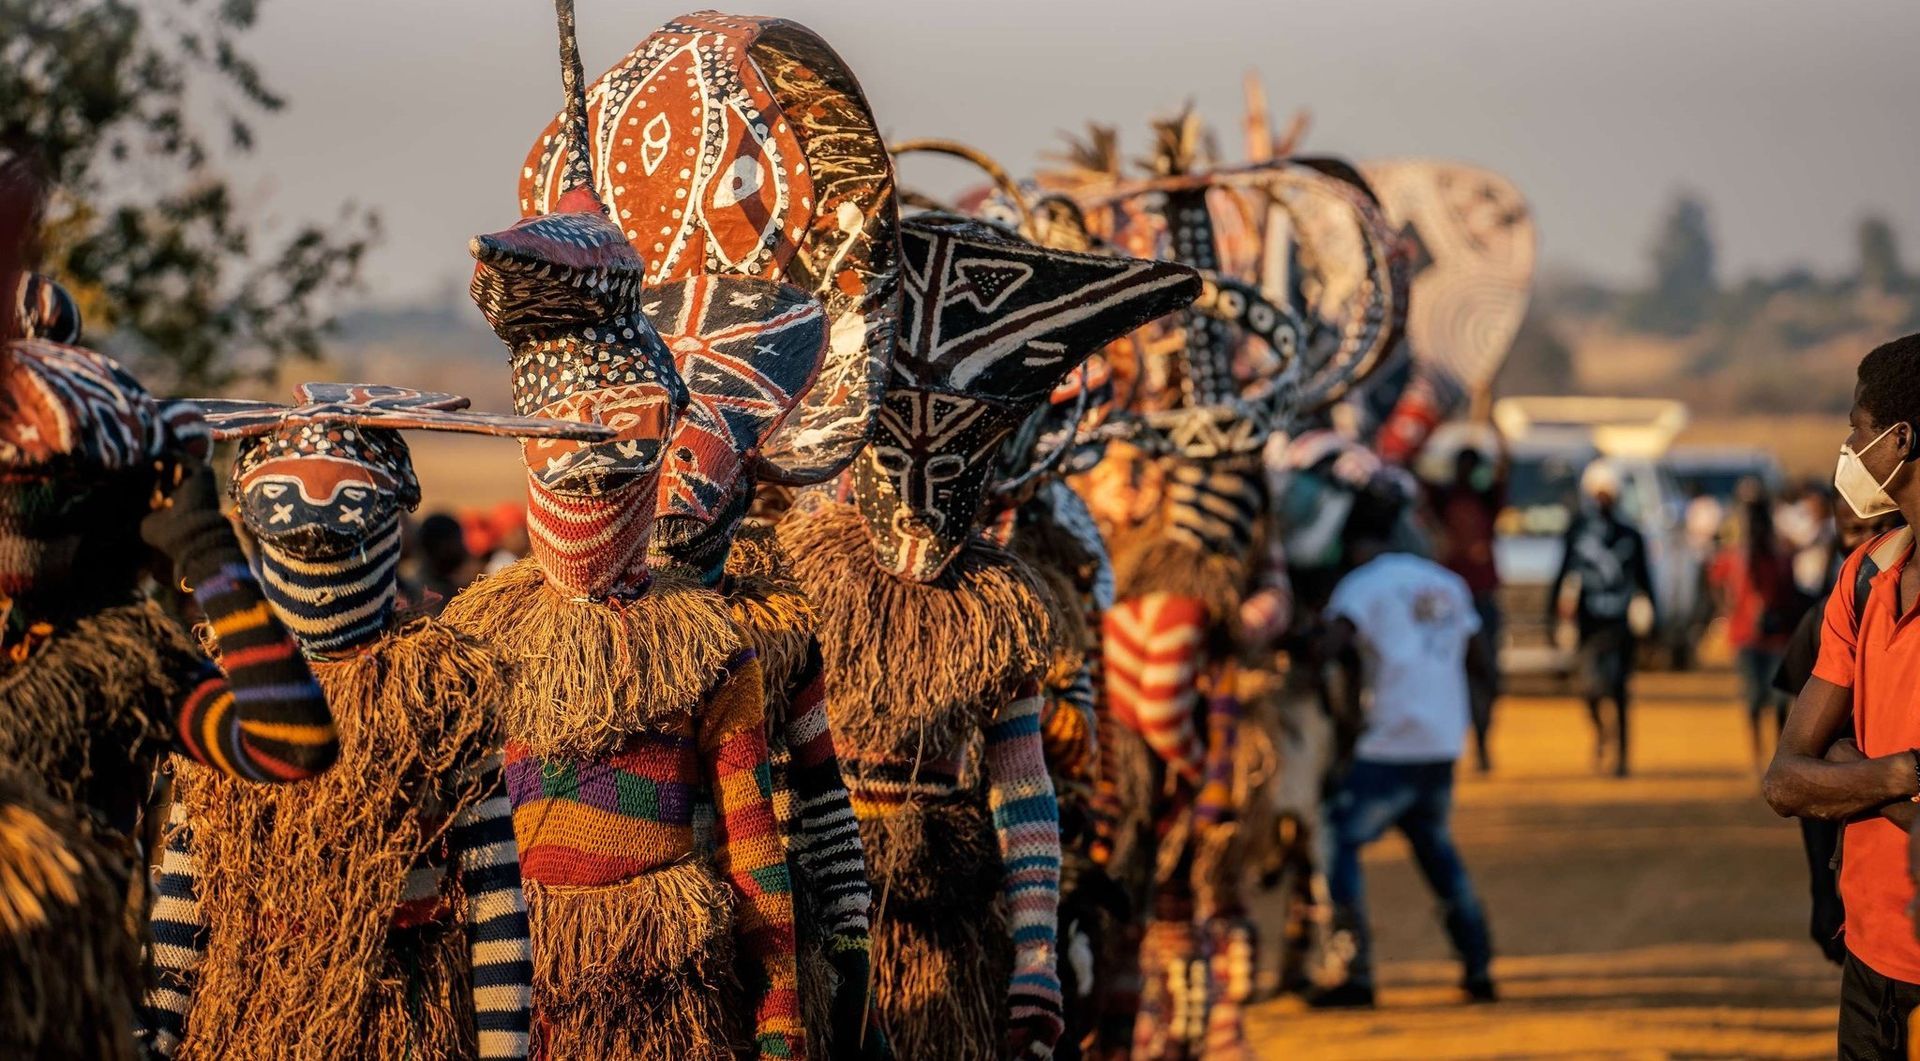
1411, 625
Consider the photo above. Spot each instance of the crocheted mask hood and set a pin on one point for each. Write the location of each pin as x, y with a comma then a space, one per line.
321, 485
744, 146
991, 324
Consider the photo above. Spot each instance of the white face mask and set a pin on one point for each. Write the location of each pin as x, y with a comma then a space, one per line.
1863, 493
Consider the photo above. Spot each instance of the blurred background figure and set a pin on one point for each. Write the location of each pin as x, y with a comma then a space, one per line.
1605, 559
445, 565
1752, 578
1408, 629
1465, 512
510, 542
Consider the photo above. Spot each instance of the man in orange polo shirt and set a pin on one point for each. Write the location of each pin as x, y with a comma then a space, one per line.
1868, 677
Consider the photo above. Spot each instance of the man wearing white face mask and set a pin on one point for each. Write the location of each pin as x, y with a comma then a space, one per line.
1868, 674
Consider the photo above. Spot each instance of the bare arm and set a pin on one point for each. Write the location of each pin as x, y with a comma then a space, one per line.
1901, 812
1800, 782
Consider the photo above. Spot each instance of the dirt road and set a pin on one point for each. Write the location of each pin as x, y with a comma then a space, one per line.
1659, 916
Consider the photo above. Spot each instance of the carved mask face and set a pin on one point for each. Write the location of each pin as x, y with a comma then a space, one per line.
740, 146
990, 325
921, 481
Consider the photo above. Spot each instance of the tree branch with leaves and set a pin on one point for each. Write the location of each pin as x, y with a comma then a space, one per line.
171, 274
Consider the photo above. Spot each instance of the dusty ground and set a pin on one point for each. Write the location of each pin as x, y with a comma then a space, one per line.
1660, 916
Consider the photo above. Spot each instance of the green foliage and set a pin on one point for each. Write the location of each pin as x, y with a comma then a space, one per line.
169, 272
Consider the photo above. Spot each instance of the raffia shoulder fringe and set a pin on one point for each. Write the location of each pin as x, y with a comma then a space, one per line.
756, 550
776, 621
590, 675
1073, 636
1166, 566
299, 883
67, 958
636, 971
110, 679
916, 665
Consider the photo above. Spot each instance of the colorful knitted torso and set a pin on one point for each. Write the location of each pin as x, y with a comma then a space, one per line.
628, 713
366, 851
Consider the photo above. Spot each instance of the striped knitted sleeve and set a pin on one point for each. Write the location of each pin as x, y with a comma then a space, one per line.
1152, 648
179, 940
827, 846
1026, 819
259, 714
499, 945
747, 847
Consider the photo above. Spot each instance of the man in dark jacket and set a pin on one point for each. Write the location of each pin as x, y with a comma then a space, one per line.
1608, 557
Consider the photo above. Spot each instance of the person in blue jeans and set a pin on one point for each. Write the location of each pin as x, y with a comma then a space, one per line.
1410, 626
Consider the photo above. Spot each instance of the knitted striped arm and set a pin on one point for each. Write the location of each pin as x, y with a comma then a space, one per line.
733, 739
1026, 820
1068, 729
263, 718
498, 943
827, 844
1152, 647
179, 940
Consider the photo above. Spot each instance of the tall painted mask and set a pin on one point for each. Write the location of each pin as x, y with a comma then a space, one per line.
743, 146
990, 325
322, 486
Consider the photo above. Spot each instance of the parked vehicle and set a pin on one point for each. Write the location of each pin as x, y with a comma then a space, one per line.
1718, 470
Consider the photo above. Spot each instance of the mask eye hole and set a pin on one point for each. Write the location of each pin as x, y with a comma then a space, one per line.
945, 466
891, 460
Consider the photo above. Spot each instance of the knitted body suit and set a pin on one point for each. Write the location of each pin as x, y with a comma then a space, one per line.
833, 902
806, 200
1055, 535
747, 351
406, 851
939, 726
635, 701
97, 684
935, 643
1187, 571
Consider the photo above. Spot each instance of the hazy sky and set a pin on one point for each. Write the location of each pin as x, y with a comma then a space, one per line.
1792, 117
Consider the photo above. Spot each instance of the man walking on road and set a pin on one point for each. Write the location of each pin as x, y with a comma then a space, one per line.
1412, 625
1867, 673
1609, 559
